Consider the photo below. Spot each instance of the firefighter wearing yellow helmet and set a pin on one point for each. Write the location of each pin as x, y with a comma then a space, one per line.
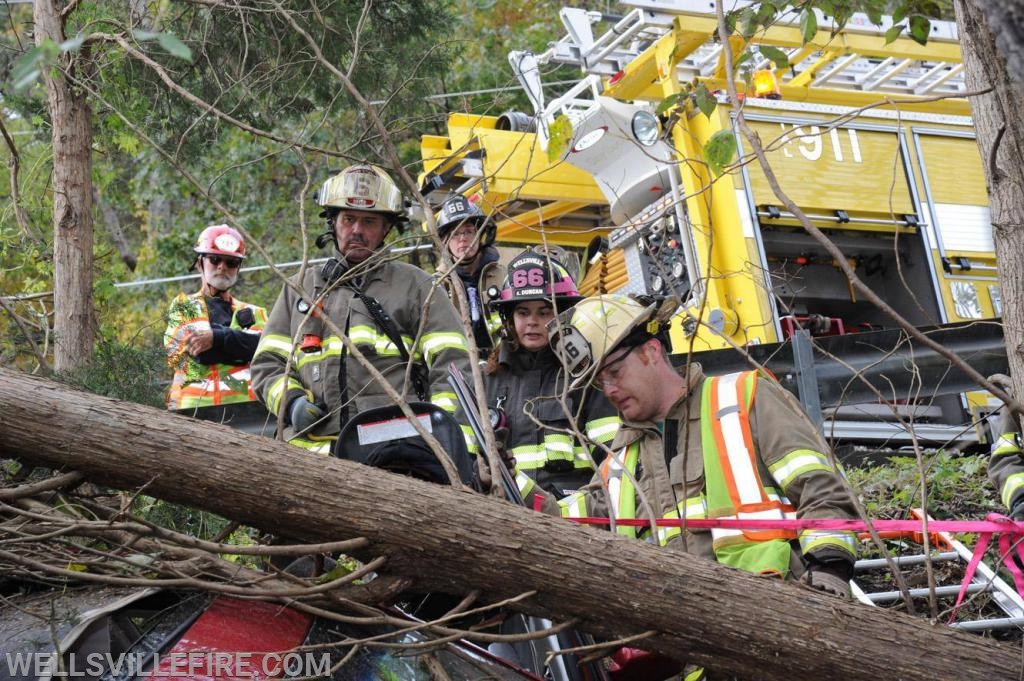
735, 446
389, 309
211, 335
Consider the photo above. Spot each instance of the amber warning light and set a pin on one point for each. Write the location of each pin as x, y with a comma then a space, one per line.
766, 84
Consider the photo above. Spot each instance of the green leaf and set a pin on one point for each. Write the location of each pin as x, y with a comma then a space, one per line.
744, 57
776, 55
174, 46
893, 33
143, 36
808, 25
705, 100
841, 17
720, 150
900, 13
920, 29
874, 16
72, 44
559, 135
669, 102
127, 142
730, 21
27, 69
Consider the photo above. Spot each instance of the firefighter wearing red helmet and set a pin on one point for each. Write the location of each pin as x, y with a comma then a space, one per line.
211, 335
525, 381
403, 325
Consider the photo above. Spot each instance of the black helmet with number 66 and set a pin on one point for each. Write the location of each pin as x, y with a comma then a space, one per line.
458, 210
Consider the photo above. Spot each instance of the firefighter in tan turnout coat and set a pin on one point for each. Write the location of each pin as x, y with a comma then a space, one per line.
391, 311
733, 446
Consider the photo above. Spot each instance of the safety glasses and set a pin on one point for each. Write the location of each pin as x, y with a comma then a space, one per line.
611, 372
230, 263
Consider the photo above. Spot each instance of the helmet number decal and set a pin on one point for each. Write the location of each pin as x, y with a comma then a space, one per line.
570, 346
532, 278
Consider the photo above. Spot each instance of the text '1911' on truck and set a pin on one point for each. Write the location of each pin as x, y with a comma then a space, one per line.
873, 142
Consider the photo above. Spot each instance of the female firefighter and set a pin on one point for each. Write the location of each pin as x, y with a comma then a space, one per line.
556, 435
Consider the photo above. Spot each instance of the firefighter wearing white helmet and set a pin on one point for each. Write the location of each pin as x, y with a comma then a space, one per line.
736, 446
211, 335
361, 205
389, 309
557, 435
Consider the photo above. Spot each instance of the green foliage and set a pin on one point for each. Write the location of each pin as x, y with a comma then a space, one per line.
706, 102
957, 486
720, 150
29, 67
171, 44
808, 24
777, 56
200, 524
122, 371
559, 136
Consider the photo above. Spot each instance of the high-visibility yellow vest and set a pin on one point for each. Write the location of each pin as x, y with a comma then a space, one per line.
733, 485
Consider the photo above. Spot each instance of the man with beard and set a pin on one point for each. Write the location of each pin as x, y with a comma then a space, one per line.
211, 336
395, 314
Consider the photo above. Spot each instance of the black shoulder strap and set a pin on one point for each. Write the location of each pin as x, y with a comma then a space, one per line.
388, 326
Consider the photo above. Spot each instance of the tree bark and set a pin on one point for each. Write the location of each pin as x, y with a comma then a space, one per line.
454, 540
71, 135
1005, 21
1000, 133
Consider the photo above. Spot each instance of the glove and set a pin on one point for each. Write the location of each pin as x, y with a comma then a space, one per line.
831, 575
482, 480
304, 414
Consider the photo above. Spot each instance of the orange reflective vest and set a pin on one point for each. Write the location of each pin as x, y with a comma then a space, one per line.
734, 487
201, 385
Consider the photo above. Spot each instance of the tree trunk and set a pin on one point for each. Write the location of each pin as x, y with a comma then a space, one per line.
1000, 132
71, 136
454, 540
1005, 21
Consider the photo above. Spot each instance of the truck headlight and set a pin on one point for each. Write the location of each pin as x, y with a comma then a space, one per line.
646, 128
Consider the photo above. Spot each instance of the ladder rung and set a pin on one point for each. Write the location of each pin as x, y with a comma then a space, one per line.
940, 591
995, 623
917, 559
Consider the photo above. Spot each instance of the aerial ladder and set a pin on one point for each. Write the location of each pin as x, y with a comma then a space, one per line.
860, 143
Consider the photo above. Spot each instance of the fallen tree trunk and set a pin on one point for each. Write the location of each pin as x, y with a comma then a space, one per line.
447, 540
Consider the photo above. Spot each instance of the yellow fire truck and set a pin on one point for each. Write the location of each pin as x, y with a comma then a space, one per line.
873, 141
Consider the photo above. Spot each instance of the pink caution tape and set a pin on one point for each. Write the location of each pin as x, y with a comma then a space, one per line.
1009, 532
978, 526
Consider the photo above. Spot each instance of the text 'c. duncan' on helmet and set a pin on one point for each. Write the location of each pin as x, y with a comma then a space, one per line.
535, 276
362, 187
588, 333
220, 240
458, 210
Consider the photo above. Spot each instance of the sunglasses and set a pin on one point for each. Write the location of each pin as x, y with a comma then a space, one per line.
230, 263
